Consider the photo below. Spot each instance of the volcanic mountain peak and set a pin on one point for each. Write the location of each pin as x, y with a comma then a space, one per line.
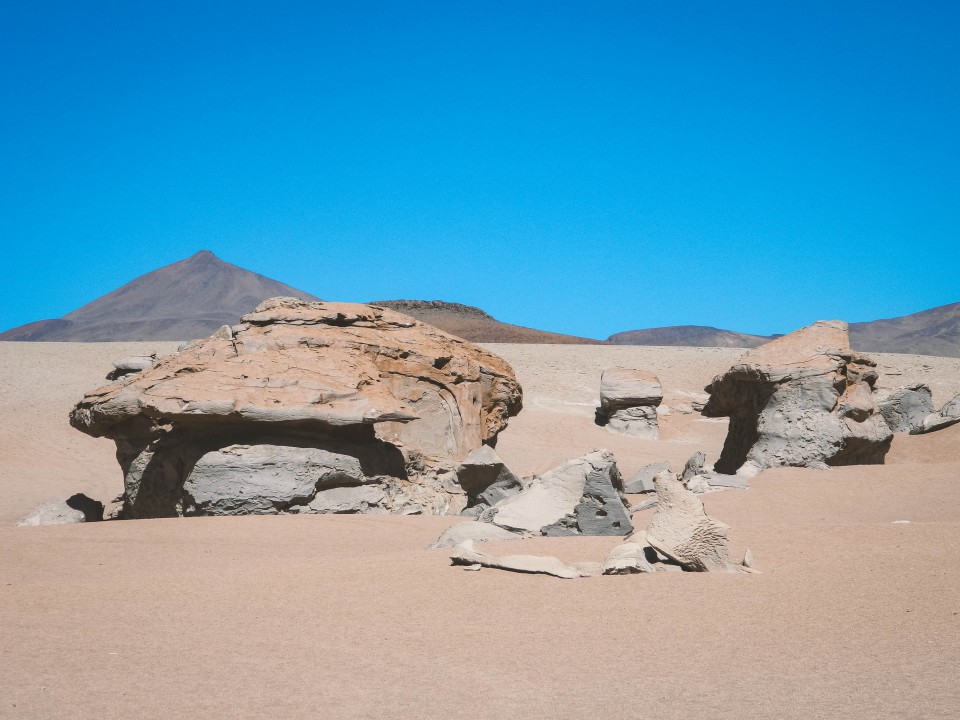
187, 299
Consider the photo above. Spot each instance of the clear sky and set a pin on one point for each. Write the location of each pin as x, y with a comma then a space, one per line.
582, 167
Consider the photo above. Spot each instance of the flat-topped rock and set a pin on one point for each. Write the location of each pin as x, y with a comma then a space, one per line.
628, 402
406, 401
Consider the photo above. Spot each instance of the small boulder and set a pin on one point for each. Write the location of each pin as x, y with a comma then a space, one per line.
485, 478
626, 558
948, 415
583, 496
628, 402
642, 481
906, 409
77, 508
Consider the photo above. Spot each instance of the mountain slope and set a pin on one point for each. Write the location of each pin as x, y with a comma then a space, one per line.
475, 325
931, 332
688, 335
185, 300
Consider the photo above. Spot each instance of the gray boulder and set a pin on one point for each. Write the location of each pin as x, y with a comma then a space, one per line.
77, 508
355, 499
475, 531
805, 399
683, 532
948, 415
628, 402
581, 497
642, 481
265, 478
485, 478
906, 409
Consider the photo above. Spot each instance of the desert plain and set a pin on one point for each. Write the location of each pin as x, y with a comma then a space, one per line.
856, 612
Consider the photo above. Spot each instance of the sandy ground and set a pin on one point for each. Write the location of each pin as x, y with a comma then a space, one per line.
855, 615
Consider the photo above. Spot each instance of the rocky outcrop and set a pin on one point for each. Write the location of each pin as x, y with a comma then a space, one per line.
905, 409
131, 364
805, 399
682, 530
304, 407
628, 402
581, 497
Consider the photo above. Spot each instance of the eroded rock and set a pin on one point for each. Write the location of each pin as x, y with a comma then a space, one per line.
466, 554
642, 480
805, 400
682, 530
906, 409
583, 496
379, 398
77, 508
628, 402
475, 531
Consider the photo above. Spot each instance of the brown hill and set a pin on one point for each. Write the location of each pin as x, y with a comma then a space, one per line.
472, 323
689, 336
185, 300
931, 332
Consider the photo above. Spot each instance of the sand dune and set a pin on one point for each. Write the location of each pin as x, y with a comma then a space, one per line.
349, 616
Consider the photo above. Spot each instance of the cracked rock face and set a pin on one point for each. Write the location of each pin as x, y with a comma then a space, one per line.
581, 497
906, 409
304, 407
628, 402
805, 400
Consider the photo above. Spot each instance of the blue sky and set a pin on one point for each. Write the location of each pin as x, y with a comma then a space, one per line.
578, 167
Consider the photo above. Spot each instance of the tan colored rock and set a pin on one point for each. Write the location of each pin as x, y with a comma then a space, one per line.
805, 399
682, 530
465, 554
405, 400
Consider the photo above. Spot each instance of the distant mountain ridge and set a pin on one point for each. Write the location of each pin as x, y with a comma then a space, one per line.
182, 301
930, 332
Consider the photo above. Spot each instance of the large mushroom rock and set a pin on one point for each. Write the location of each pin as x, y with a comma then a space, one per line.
303, 398
682, 530
805, 399
628, 402
581, 497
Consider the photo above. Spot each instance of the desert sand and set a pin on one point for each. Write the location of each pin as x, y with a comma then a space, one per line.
856, 613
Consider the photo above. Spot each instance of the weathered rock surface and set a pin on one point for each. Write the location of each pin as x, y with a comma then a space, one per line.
485, 478
380, 398
642, 480
805, 399
77, 508
475, 531
628, 402
948, 415
466, 554
682, 530
626, 558
131, 364
906, 408
583, 496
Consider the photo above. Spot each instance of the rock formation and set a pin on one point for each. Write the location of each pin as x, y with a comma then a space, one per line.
905, 409
581, 497
642, 480
805, 399
948, 415
486, 479
305, 407
77, 508
628, 402
474, 531
682, 530
465, 554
